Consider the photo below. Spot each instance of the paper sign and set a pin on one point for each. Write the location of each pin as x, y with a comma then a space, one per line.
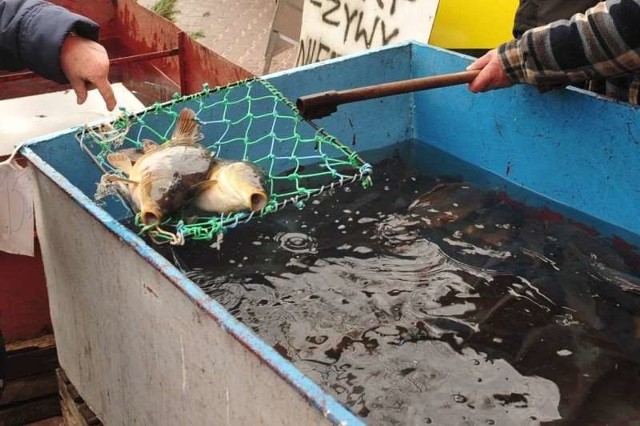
332, 28
16, 209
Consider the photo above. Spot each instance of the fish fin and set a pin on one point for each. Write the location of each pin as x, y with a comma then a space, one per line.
120, 161
114, 178
145, 184
187, 129
148, 145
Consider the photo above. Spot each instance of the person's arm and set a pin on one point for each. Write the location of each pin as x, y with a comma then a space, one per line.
39, 35
603, 42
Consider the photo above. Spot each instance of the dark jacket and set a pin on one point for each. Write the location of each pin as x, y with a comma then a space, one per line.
534, 13
32, 32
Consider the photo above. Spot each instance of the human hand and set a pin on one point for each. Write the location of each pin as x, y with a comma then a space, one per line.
84, 61
492, 75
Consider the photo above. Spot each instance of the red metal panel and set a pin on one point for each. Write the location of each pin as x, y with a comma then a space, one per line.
199, 65
141, 30
24, 306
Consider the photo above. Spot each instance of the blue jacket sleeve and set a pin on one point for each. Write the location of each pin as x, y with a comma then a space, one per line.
32, 33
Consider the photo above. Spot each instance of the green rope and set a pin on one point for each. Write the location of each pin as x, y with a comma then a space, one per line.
249, 120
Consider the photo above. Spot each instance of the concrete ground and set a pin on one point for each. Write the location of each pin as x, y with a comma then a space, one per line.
236, 29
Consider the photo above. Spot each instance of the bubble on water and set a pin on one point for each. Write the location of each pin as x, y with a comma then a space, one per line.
565, 320
341, 227
347, 211
564, 352
362, 250
297, 242
257, 243
365, 220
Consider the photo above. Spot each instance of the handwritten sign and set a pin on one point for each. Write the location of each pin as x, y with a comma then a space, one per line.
16, 209
333, 28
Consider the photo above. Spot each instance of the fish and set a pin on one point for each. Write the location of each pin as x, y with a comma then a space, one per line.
162, 180
137, 152
450, 202
232, 186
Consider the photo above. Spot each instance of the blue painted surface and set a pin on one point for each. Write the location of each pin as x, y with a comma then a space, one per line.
363, 125
570, 146
332, 410
64, 155
574, 148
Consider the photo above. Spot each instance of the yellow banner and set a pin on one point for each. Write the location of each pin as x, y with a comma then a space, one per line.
473, 24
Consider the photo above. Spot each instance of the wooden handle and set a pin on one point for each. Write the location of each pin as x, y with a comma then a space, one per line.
322, 104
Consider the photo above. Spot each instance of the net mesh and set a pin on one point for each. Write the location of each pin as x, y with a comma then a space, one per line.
249, 120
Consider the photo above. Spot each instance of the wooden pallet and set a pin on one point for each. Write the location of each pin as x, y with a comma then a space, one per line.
75, 412
31, 390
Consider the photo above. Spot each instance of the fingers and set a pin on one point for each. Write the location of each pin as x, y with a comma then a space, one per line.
492, 75
84, 61
481, 62
80, 87
481, 83
104, 87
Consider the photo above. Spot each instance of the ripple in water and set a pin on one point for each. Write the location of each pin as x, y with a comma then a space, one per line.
428, 300
296, 242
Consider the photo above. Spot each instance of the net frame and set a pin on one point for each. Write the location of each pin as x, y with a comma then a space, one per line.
335, 163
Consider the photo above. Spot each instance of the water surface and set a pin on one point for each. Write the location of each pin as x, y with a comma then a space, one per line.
428, 299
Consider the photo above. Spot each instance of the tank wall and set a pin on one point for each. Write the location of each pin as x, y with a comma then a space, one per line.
139, 348
575, 148
361, 125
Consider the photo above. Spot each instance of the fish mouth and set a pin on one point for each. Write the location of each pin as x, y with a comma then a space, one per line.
150, 217
257, 201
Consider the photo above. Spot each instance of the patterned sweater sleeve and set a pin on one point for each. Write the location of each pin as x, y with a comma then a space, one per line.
603, 42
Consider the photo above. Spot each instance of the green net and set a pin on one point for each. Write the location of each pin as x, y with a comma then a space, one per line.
251, 121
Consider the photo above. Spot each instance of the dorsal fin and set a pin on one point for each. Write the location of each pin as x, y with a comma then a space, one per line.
187, 128
120, 161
